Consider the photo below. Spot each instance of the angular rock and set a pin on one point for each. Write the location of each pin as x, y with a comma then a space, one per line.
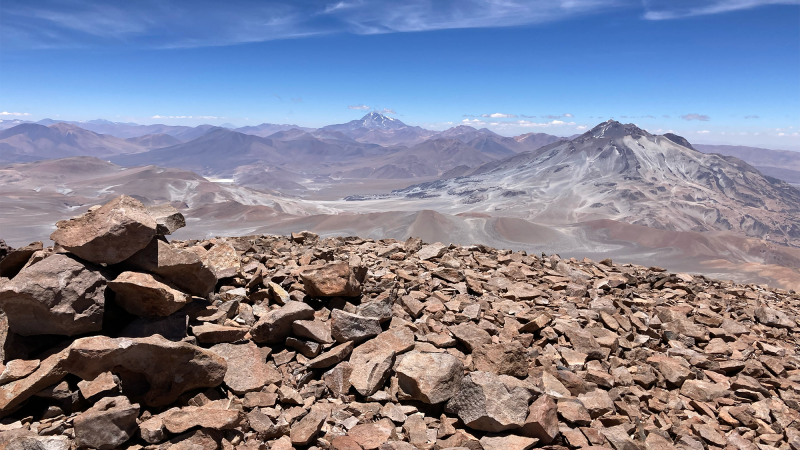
484, 403
671, 368
59, 295
168, 219
471, 335
211, 333
369, 376
18, 368
370, 436
315, 330
275, 326
223, 260
183, 419
542, 421
104, 383
247, 369
501, 359
703, 391
774, 318
597, 402
331, 357
619, 439
308, 427
431, 251
180, 268
507, 442
335, 279
108, 424
352, 327
109, 234
181, 367
583, 341
146, 295
16, 259
49, 372
430, 377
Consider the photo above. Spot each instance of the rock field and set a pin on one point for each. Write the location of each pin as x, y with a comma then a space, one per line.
117, 338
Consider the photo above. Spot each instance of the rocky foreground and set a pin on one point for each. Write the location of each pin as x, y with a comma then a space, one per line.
117, 338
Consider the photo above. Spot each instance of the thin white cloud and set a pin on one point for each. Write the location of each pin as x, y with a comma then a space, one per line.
568, 115
6, 113
700, 117
360, 107
703, 132
386, 111
473, 122
581, 127
530, 124
500, 116
670, 9
186, 117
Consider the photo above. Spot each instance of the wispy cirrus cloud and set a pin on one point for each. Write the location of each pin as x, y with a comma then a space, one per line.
678, 9
694, 116
752, 117
360, 107
201, 23
186, 117
6, 113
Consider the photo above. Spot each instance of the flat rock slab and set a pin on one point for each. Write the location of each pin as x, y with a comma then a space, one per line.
170, 368
247, 369
212, 333
189, 417
484, 402
145, 295
58, 295
352, 327
109, 234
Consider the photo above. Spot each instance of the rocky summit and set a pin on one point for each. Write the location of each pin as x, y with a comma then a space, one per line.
119, 338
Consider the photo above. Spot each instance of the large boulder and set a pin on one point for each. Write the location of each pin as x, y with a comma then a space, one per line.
169, 368
146, 295
107, 424
485, 403
109, 234
430, 377
180, 268
276, 325
58, 295
168, 219
335, 279
542, 421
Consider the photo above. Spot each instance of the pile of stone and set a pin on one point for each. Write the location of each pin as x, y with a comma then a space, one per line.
117, 338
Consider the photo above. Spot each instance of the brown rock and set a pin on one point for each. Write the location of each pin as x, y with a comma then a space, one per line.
168, 219
308, 427
672, 369
542, 421
211, 333
471, 335
597, 402
774, 318
146, 295
502, 359
344, 443
429, 377
18, 368
181, 367
332, 280
573, 412
180, 268
50, 372
370, 436
183, 419
331, 357
315, 330
109, 234
247, 369
485, 403
369, 376
703, 391
352, 327
106, 382
16, 259
223, 260
507, 442
275, 326
107, 424
59, 295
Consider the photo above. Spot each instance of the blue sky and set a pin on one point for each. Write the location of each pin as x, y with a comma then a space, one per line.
714, 71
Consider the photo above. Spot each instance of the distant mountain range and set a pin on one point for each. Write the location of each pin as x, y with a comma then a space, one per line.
624, 173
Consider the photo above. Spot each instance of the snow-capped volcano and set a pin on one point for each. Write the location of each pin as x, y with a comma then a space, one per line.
372, 121
380, 129
621, 172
